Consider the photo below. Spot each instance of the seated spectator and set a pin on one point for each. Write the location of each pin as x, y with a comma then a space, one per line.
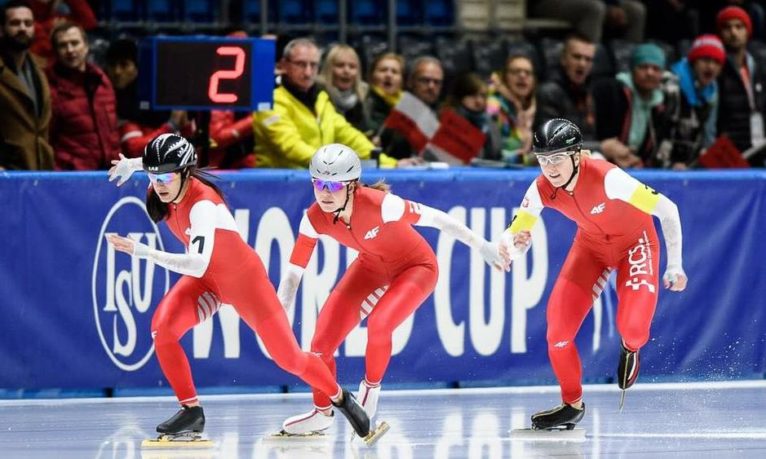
386, 86
567, 92
741, 86
425, 84
84, 123
49, 13
341, 78
231, 132
303, 118
512, 106
694, 112
630, 110
24, 94
137, 126
468, 98
624, 18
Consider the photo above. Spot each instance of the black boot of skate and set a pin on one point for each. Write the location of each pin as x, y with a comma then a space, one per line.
355, 414
627, 369
562, 417
188, 419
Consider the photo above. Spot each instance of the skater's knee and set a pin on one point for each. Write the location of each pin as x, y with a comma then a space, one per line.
164, 335
559, 340
379, 330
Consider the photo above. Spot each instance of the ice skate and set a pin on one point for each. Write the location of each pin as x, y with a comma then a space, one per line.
555, 424
359, 420
183, 430
627, 370
309, 425
368, 396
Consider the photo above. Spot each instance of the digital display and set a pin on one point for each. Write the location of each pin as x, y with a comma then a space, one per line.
209, 73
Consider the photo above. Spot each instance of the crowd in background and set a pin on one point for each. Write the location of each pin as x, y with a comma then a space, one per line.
60, 110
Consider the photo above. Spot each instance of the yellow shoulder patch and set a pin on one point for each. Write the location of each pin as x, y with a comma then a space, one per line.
522, 221
645, 199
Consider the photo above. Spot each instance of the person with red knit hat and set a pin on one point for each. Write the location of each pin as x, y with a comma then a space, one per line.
691, 96
742, 99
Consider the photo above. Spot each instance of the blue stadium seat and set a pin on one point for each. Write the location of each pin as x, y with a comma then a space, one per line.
409, 12
295, 11
201, 10
251, 11
489, 56
326, 11
440, 12
367, 12
127, 10
163, 10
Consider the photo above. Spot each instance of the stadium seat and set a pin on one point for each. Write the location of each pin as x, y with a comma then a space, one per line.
409, 12
440, 13
489, 56
367, 12
368, 47
621, 51
411, 47
200, 11
551, 55
163, 11
251, 11
326, 11
295, 11
456, 56
603, 66
127, 10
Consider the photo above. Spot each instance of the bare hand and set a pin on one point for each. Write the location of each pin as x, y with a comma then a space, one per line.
121, 244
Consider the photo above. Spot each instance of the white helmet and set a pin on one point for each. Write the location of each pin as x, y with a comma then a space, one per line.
335, 162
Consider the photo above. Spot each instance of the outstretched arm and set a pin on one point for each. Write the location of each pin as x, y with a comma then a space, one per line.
515, 240
291, 279
620, 185
395, 208
123, 168
192, 263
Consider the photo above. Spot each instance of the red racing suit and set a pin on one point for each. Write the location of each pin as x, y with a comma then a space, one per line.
395, 272
615, 230
219, 267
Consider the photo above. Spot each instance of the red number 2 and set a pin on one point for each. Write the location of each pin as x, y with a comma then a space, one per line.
239, 67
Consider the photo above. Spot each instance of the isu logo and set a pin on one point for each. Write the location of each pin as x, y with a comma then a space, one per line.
124, 288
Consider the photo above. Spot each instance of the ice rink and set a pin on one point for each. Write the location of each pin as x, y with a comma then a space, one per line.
691, 420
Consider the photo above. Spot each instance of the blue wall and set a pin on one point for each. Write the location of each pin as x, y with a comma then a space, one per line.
76, 315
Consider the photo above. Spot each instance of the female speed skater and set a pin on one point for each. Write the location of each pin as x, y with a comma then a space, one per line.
613, 212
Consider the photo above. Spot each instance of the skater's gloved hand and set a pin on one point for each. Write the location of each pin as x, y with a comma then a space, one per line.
123, 168
127, 245
675, 279
490, 251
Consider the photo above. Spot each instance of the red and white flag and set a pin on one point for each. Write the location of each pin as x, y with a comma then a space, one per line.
414, 120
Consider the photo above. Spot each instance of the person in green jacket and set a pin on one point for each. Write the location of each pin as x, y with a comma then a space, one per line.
303, 118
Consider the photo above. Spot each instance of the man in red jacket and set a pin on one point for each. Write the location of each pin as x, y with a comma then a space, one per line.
84, 123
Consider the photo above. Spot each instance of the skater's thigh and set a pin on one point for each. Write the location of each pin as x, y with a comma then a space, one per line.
344, 307
186, 304
406, 293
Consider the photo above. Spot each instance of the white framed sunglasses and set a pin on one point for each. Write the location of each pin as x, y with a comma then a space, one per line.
554, 159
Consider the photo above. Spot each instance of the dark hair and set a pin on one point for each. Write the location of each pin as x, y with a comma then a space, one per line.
63, 27
577, 36
122, 49
467, 84
11, 4
158, 210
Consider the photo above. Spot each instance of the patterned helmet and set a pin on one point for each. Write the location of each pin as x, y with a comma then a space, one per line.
168, 153
556, 135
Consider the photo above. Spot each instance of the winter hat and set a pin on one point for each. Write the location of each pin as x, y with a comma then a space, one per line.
734, 12
648, 53
709, 46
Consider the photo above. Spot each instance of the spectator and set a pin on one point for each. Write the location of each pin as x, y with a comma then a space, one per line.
567, 93
740, 115
630, 110
341, 78
83, 130
695, 111
386, 86
468, 98
137, 126
512, 106
589, 17
24, 94
49, 13
425, 83
231, 132
303, 118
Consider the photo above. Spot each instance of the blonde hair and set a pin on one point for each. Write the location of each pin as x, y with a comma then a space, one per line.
325, 74
380, 185
386, 56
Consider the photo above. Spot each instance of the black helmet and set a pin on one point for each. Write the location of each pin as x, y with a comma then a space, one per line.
556, 135
168, 153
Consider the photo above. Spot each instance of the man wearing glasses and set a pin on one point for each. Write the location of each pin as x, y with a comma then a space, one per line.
303, 117
615, 231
